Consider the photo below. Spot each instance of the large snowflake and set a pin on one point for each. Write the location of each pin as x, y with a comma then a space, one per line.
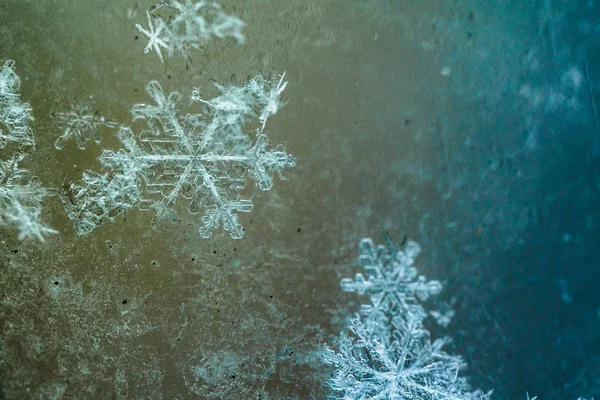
388, 353
398, 362
185, 26
202, 157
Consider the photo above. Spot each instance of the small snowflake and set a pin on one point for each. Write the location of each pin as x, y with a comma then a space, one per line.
392, 282
155, 42
79, 122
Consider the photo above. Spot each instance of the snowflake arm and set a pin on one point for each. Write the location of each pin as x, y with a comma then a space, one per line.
272, 102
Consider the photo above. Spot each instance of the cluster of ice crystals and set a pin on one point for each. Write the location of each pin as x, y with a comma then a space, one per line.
98, 198
21, 195
21, 199
388, 352
201, 157
81, 123
15, 115
178, 26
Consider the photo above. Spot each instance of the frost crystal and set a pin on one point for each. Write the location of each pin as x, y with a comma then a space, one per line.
188, 26
21, 198
388, 353
15, 115
202, 158
79, 122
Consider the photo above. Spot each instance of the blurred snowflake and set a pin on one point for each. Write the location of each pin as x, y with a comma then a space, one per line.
15, 115
388, 353
186, 26
202, 158
21, 199
79, 122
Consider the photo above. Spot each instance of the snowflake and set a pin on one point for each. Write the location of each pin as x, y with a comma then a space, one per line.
21, 198
388, 353
399, 363
153, 34
79, 122
392, 282
202, 158
15, 115
191, 25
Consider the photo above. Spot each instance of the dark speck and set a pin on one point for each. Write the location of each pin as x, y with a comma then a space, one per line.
56, 283
124, 301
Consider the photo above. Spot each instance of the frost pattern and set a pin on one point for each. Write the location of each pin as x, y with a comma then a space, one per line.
187, 26
388, 353
203, 158
21, 199
15, 115
79, 122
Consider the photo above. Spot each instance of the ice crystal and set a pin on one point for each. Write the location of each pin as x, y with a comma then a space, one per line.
187, 26
21, 199
396, 363
392, 282
388, 353
15, 115
98, 199
203, 158
79, 122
